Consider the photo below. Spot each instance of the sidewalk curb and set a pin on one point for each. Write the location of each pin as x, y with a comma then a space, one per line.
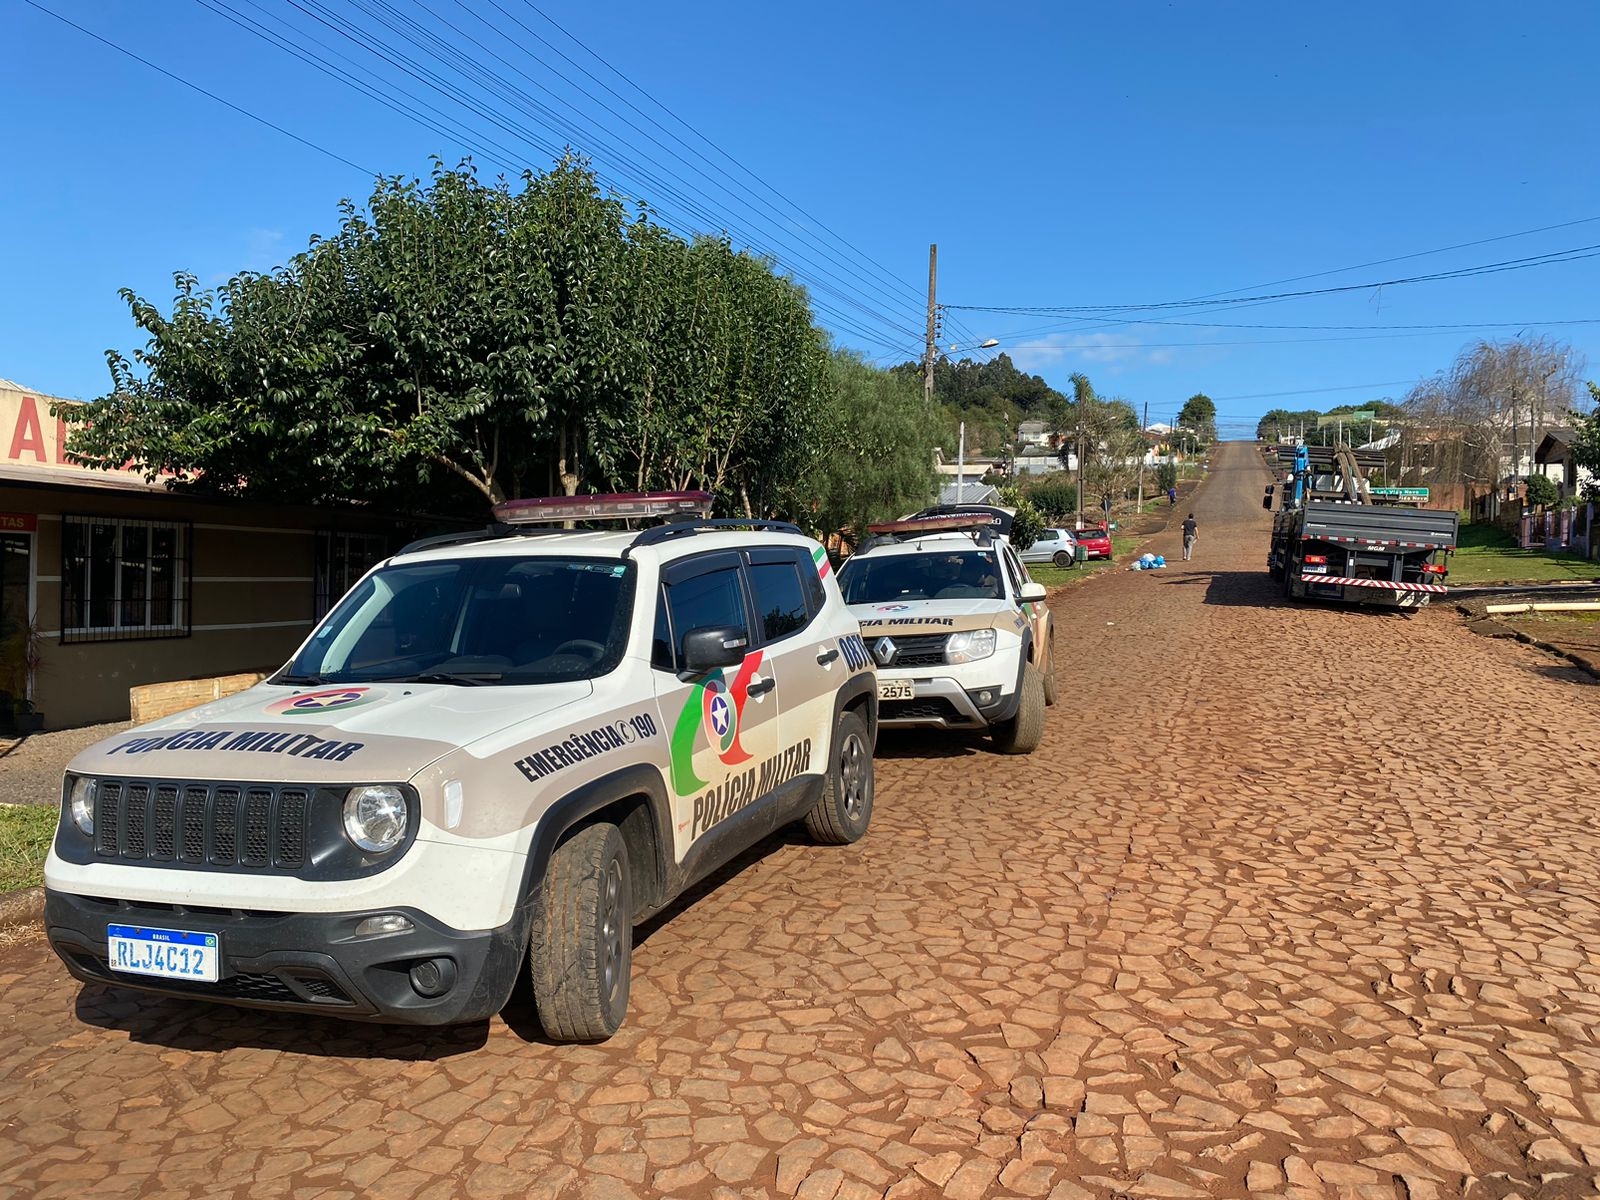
1484, 625
22, 907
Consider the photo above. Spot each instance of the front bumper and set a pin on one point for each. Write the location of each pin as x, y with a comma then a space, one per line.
306, 961
944, 703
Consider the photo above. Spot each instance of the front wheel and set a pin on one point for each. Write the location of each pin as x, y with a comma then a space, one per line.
843, 812
1024, 731
580, 950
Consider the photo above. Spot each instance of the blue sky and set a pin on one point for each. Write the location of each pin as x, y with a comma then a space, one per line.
1059, 154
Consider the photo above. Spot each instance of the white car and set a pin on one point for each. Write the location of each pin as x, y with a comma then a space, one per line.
1056, 546
497, 754
961, 635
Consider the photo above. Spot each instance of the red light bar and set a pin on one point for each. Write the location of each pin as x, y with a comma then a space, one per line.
1316, 558
618, 506
933, 524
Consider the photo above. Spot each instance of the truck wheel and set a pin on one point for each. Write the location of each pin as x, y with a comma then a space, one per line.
1023, 732
842, 814
580, 952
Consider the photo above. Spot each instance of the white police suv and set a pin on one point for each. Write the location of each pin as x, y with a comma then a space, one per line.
961, 636
498, 753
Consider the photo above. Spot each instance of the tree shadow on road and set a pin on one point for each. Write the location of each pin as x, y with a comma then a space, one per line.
1235, 589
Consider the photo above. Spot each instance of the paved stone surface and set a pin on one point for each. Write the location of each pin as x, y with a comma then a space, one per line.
1293, 902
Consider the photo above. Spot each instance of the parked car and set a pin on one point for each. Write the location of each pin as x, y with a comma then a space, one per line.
1054, 546
1095, 542
962, 637
494, 757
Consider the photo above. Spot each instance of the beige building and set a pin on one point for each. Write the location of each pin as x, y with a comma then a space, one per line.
108, 582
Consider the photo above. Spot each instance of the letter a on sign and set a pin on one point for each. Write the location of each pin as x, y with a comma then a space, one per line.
27, 433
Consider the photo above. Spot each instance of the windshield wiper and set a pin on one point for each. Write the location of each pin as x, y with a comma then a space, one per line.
298, 680
463, 678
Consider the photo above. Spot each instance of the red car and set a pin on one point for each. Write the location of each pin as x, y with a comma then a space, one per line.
1096, 542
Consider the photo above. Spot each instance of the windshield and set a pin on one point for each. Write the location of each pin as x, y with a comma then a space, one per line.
499, 620
967, 575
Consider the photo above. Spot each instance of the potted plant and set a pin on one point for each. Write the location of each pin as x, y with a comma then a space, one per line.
21, 652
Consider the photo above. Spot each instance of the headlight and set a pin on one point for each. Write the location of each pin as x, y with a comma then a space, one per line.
375, 817
82, 805
969, 646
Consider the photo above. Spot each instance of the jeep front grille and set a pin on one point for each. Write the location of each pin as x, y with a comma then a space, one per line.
254, 826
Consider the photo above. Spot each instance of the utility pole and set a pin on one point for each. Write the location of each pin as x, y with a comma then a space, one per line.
1080, 404
933, 324
1142, 440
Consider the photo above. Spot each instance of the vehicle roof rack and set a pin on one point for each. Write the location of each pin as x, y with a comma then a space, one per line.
677, 529
538, 516
886, 533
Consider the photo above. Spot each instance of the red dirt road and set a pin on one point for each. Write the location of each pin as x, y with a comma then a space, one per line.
1293, 901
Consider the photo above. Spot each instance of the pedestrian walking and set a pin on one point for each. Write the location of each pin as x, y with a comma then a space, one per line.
1172, 497
1189, 529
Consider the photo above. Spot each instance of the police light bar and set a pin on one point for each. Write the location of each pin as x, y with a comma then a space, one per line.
914, 525
617, 506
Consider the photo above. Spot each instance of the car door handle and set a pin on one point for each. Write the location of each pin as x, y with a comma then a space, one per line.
761, 686
826, 657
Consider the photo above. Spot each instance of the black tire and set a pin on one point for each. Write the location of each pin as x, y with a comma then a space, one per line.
1063, 559
580, 951
1023, 732
844, 811
1050, 693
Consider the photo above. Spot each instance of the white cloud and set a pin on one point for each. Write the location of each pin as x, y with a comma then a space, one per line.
1066, 349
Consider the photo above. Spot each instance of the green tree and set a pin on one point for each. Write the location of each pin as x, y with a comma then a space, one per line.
1199, 415
1542, 491
1055, 495
483, 342
1166, 476
1026, 524
879, 459
1586, 441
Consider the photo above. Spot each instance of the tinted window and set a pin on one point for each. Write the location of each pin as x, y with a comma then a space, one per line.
661, 640
969, 575
780, 599
499, 620
713, 599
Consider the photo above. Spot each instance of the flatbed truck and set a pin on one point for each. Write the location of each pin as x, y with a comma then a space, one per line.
1330, 541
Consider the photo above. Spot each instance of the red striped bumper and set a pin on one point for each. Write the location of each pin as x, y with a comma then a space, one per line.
1436, 589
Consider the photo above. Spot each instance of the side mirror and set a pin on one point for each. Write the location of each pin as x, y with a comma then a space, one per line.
1266, 502
1031, 592
712, 646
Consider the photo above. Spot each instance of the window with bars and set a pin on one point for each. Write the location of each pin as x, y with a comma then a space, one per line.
342, 559
124, 579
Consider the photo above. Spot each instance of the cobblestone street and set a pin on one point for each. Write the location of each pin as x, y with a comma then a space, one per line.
1293, 901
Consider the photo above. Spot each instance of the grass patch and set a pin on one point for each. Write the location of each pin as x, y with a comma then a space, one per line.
1485, 554
25, 833
1122, 548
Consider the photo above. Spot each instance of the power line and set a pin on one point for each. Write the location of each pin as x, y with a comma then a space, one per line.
884, 271
1573, 254
244, 112
1352, 387
475, 74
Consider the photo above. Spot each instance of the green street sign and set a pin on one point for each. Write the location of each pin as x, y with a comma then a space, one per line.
1399, 493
